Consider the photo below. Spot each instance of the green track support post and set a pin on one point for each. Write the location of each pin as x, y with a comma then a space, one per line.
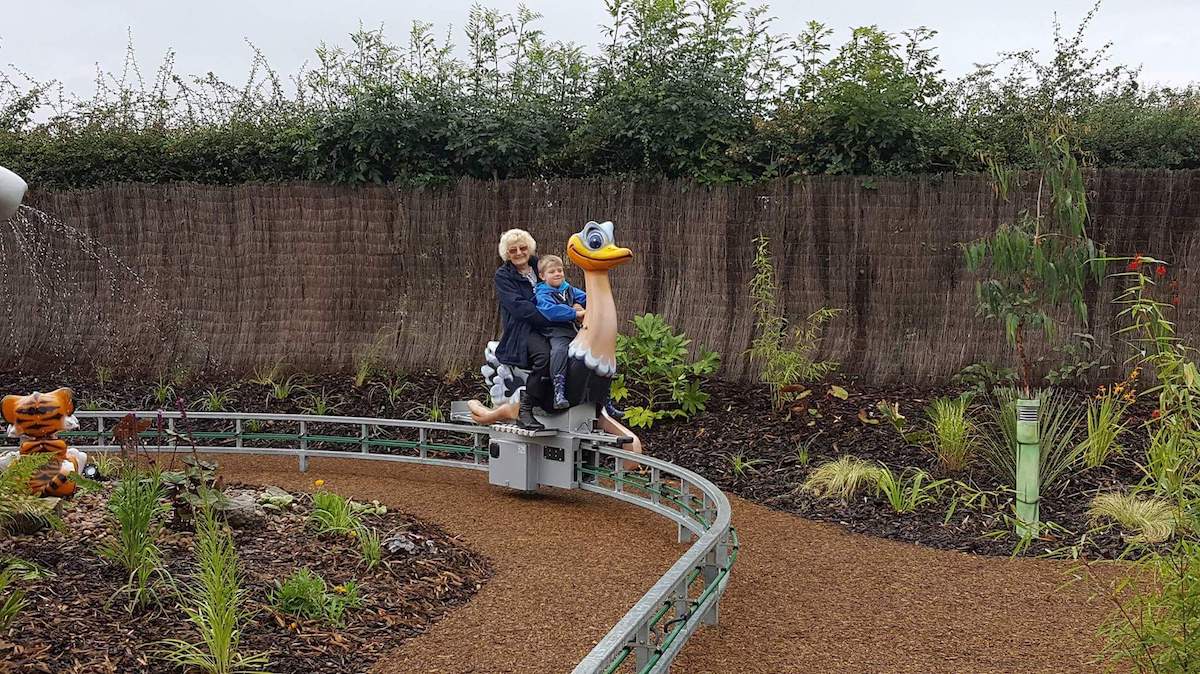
1028, 464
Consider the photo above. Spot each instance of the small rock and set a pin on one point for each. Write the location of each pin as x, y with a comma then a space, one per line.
401, 543
242, 511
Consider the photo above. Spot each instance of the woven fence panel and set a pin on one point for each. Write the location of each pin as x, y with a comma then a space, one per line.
314, 276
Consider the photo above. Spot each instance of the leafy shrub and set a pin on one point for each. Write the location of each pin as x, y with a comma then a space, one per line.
983, 378
786, 359
843, 478
952, 435
1155, 624
305, 594
719, 98
136, 509
1151, 520
657, 372
215, 605
1041, 261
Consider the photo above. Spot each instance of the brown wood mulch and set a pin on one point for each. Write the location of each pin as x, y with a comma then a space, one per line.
75, 623
804, 597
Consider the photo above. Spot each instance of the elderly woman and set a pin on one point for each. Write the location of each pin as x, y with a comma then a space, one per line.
521, 345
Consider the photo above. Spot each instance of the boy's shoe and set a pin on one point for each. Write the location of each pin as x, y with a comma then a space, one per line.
560, 392
613, 412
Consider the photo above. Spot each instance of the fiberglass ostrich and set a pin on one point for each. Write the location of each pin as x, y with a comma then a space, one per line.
593, 353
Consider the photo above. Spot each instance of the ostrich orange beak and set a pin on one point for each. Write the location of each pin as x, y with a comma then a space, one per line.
596, 260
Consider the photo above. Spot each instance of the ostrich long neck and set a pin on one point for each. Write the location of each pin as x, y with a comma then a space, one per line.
599, 332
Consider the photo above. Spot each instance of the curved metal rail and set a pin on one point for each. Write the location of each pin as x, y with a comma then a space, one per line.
645, 640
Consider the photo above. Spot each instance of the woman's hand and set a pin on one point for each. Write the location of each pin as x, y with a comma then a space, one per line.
579, 313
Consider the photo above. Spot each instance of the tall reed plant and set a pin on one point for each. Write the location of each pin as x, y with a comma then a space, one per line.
136, 509
215, 605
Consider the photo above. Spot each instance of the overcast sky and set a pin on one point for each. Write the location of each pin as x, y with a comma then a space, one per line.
53, 39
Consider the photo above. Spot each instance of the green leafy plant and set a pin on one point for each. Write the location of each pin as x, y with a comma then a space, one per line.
136, 509
16, 501
12, 599
321, 404
952, 434
216, 400
393, 389
983, 378
1042, 261
657, 372
1151, 520
1155, 624
276, 499
802, 451
844, 478
305, 594
367, 361
740, 466
267, 375
333, 513
285, 388
1079, 360
214, 603
163, 393
910, 490
786, 358
369, 546
195, 487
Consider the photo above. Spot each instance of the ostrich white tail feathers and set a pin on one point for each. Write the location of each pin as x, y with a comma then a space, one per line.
504, 383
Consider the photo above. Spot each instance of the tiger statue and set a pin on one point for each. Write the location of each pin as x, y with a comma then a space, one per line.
36, 419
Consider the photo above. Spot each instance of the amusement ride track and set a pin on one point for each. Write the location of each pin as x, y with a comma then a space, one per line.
806, 597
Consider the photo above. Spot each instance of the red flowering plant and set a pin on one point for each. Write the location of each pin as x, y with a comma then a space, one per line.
1154, 625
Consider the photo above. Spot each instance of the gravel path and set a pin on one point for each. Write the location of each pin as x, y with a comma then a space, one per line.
804, 597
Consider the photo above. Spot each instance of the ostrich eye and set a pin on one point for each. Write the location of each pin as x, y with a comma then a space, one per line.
595, 238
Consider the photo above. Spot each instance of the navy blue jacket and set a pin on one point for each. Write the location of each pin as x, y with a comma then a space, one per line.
518, 314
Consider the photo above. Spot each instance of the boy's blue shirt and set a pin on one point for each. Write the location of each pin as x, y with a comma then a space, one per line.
555, 303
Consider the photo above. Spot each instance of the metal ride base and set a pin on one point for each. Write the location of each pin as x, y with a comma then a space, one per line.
523, 460
569, 454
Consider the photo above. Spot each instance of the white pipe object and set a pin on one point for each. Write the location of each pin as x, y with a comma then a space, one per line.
12, 191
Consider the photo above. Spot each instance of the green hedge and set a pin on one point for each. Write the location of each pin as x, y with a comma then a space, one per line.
699, 90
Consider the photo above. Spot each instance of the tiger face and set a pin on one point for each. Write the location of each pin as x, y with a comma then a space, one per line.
39, 415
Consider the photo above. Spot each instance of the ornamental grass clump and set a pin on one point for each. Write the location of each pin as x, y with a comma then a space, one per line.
909, 490
333, 513
844, 478
1150, 520
952, 434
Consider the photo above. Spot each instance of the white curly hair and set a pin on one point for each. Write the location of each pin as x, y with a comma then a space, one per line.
516, 236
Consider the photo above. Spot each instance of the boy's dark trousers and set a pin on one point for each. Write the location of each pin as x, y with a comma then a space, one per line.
559, 345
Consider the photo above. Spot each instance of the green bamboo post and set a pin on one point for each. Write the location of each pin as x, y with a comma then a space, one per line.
1028, 463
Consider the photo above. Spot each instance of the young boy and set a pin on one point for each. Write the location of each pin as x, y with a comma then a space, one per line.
562, 304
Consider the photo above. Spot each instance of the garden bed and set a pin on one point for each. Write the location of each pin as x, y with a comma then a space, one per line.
77, 619
738, 422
